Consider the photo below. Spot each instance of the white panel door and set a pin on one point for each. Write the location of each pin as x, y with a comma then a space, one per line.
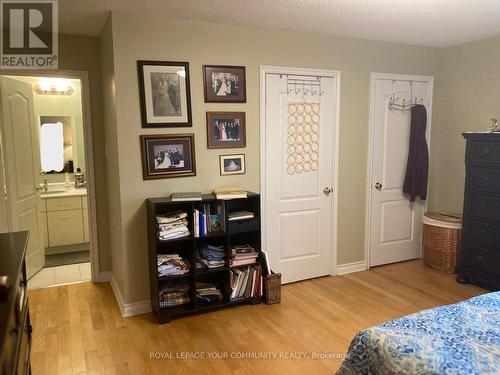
395, 222
299, 174
20, 149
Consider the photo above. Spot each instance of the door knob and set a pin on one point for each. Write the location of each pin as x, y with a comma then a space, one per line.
39, 188
378, 186
327, 190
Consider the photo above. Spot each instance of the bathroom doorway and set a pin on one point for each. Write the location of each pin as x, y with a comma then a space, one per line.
47, 172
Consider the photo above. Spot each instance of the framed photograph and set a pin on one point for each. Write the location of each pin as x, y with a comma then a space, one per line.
224, 84
164, 94
226, 129
165, 156
232, 164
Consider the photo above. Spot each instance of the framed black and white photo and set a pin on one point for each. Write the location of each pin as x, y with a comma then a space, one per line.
226, 129
232, 164
164, 94
165, 156
224, 84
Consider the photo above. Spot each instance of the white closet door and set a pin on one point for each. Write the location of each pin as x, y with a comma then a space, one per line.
395, 222
299, 170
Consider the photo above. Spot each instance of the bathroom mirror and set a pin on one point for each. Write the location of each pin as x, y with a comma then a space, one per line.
56, 144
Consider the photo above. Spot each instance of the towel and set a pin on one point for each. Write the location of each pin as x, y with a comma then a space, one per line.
418, 156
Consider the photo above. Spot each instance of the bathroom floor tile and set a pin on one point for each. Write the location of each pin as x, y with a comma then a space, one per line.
84, 271
43, 279
67, 274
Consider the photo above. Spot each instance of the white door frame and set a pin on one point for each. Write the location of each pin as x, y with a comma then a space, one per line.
83, 76
267, 69
368, 208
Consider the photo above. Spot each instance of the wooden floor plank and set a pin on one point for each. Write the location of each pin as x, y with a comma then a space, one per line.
78, 329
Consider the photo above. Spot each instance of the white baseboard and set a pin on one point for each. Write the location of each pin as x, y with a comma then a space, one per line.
344, 269
128, 309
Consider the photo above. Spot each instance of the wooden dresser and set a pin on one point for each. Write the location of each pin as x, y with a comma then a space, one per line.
15, 327
479, 261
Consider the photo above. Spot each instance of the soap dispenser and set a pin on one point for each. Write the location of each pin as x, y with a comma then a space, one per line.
67, 182
79, 178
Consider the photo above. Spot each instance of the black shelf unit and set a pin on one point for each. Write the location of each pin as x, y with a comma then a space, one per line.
237, 233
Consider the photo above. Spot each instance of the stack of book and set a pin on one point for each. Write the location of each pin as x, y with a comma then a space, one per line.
174, 293
211, 256
240, 215
208, 219
172, 225
172, 264
230, 193
186, 197
208, 292
245, 283
243, 254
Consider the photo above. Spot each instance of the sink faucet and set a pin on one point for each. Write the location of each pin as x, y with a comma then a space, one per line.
45, 185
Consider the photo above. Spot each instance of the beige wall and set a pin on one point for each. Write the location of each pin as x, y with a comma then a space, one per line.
151, 37
113, 181
83, 53
467, 96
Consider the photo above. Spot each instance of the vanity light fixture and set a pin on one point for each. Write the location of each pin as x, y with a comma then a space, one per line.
53, 86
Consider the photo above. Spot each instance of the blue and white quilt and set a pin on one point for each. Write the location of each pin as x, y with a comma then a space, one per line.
463, 338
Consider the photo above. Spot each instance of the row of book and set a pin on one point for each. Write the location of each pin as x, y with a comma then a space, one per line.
208, 219
172, 225
222, 193
207, 257
245, 283
242, 255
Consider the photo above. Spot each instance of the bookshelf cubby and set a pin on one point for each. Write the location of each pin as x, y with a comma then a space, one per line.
232, 233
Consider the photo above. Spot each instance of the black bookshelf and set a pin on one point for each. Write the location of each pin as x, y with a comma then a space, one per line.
236, 233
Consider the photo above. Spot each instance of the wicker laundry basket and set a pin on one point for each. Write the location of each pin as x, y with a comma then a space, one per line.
441, 240
272, 288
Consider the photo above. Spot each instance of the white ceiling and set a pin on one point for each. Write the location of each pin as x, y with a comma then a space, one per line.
436, 23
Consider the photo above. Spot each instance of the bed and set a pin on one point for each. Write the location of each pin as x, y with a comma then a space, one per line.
463, 338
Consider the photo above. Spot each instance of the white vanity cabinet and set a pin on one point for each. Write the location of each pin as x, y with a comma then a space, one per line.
66, 220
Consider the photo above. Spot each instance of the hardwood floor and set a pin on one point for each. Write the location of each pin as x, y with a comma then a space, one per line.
78, 329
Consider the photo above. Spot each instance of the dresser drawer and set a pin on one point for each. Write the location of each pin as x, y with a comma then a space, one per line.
484, 179
481, 260
483, 152
68, 203
483, 206
486, 235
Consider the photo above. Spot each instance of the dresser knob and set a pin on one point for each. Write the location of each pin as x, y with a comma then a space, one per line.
482, 232
486, 152
479, 258
485, 205
486, 180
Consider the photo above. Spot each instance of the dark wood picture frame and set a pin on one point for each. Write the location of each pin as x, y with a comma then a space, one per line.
226, 129
181, 148
236, 86
223, 168
175, 106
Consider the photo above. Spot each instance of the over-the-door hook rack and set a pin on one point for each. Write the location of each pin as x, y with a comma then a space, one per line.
405, 104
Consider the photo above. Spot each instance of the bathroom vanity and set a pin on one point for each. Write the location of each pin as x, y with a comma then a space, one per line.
65, 214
